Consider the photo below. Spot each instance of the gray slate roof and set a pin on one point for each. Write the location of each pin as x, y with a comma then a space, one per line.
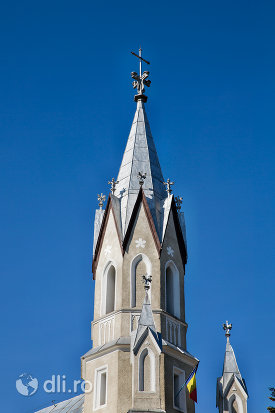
145, 324
140, 156
230, 364
146, 318
230, 367
74, 405
117, 341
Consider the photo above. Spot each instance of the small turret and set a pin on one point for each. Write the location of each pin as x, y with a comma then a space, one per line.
231, 388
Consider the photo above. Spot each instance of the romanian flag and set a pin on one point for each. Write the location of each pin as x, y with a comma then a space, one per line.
191, 385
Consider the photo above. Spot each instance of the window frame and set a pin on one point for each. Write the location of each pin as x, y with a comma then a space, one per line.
97, 388
104, 285
179, 372
176, 302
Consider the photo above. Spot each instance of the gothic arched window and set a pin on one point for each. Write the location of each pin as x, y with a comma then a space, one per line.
235, 404
109, 289
172, 289
146, 371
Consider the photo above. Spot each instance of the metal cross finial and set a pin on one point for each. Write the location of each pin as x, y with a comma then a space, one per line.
140, 81
141, 176
168, 184
113, 184
178, 200
227, 327
147, 279
101, 198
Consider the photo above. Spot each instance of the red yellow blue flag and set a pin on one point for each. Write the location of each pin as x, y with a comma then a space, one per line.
192, 387
190, 383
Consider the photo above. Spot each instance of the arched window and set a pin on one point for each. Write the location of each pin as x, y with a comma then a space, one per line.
172, 289
109, 289
146, 371
235, 404
140, 265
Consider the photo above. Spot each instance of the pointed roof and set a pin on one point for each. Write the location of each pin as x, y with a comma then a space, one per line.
230, 365
146, 316
145, 324
140, 156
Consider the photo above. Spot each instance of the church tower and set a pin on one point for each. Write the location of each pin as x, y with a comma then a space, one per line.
232, 393
139, 359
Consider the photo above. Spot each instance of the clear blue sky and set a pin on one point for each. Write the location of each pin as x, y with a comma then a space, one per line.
66, 106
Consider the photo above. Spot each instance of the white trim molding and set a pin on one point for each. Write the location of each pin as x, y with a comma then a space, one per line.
100, 381
180, 374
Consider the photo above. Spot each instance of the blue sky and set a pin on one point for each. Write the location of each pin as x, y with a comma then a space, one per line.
66, 107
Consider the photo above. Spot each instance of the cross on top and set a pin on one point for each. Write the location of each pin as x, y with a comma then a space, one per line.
141, 176
168, 185
227, 327
101, 198
178, 201
147, 279
113, 184
140, 81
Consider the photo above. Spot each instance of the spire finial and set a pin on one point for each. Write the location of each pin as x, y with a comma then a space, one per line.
227, 327
113, 184
168, 185
147, 279
101, 198
140, 81
178, 201
141, 176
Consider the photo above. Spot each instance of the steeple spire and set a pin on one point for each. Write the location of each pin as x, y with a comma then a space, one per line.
231, 387
140, 156
230, 365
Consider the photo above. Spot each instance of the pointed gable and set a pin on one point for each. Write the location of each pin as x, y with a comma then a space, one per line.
175, 222
142, 200
111, 207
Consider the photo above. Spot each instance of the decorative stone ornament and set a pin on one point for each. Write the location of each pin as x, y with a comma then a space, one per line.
141, 80
170, 251
113, 184
178, 201
140, 243
108, 250
147, 279
227, 327
101, 198
141, 176
168, 185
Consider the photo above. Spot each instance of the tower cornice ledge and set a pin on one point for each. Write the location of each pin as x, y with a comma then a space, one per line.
179, 354
138, 311
123, 344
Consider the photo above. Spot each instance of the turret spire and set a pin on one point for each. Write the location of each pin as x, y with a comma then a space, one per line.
231, 387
